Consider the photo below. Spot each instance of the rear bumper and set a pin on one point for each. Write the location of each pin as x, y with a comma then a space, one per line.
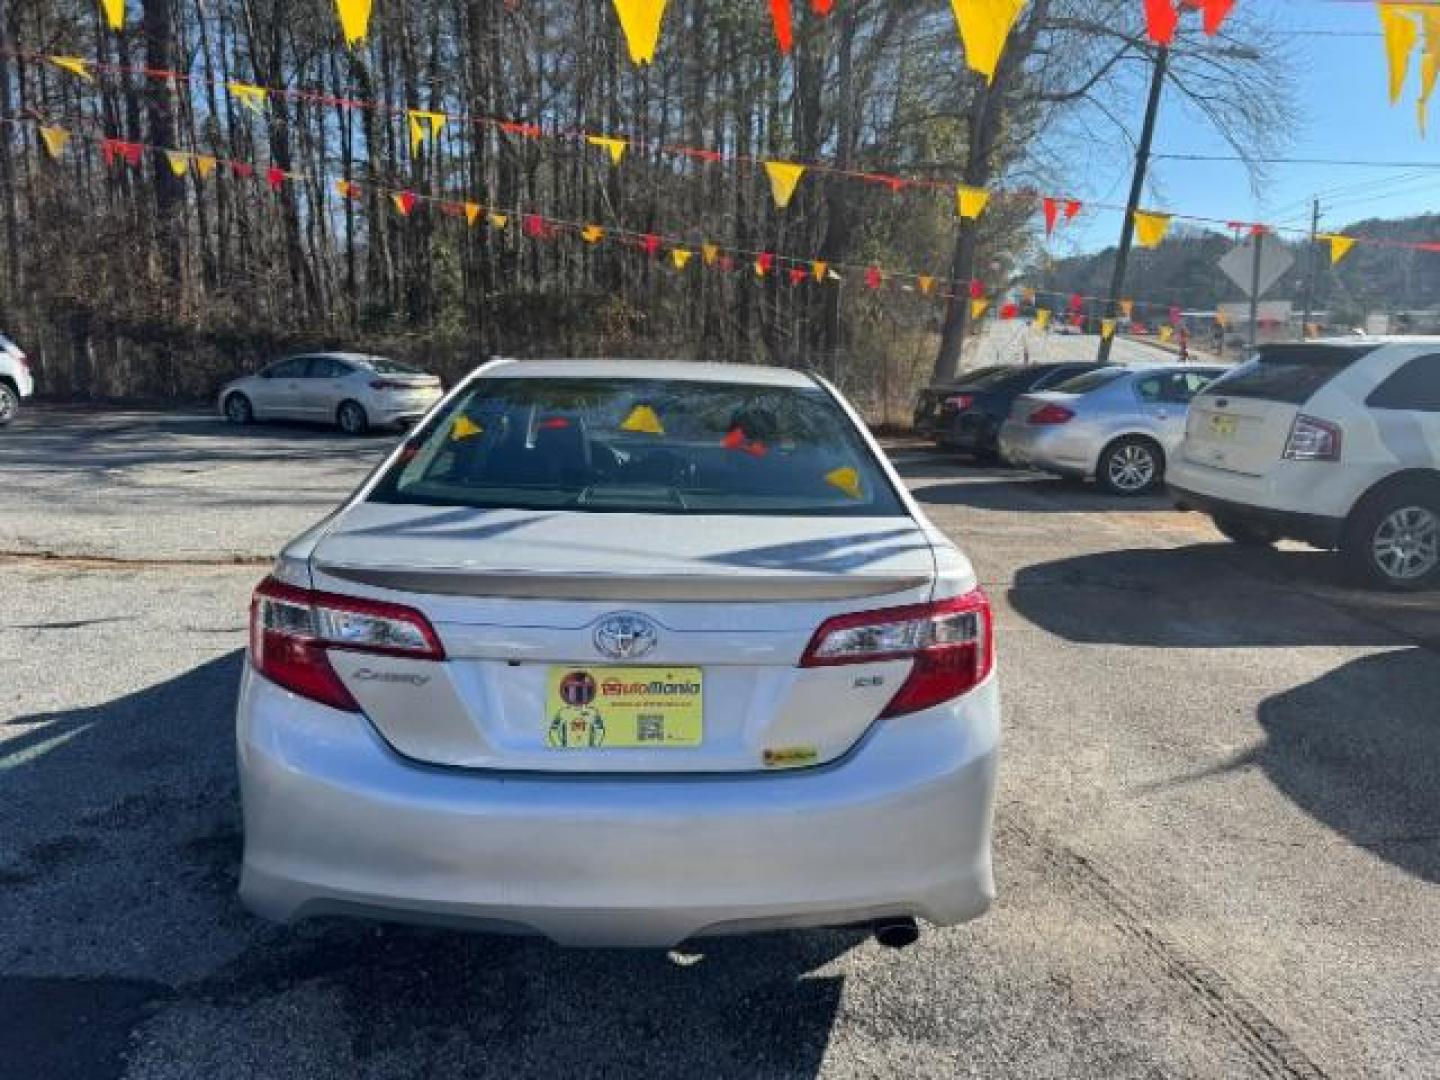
971, 432
1051, 449
1320, 531
336, 822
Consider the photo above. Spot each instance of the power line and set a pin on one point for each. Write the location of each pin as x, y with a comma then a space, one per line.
1302, 161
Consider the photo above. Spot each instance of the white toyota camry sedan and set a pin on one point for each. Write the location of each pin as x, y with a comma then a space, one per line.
624, 653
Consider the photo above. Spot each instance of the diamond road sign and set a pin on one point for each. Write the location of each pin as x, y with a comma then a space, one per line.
1239, 265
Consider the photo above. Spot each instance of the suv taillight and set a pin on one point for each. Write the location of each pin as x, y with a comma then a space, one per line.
959, 402
1313, 440
951, 643
1051, 414
291, 630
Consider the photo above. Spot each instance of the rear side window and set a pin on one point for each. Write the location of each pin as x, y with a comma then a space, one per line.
615, 445
1291, 374
1416, 386
294, 368
327, 367
381, 366
1091, 380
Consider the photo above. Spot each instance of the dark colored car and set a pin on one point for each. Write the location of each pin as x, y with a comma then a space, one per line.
970, 418
934, 405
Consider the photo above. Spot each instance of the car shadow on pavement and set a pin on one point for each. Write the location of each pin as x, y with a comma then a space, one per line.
123, 945
1036, 493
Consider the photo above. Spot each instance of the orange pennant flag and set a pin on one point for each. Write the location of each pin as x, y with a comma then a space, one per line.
55, 140
819, 268
783, 179
1127, 308
926, 283
710, 253
354, 19
614, 147
114, 13
472, 213
592, 234
204, 165
345, 188
640, 22
74, 65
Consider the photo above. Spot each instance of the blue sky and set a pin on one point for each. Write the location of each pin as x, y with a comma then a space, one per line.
1344, 112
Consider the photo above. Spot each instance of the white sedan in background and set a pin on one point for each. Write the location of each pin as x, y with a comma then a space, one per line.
352, 391
624, 654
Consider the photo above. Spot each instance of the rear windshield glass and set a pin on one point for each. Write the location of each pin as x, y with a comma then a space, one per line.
612, 445
382, 366
1292, 375
1091, 380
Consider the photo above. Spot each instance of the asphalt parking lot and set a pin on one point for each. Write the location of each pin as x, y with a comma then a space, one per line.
1219, 831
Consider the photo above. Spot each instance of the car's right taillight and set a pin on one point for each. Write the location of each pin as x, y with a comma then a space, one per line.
959, 402
1313, 440
951, 642
1051, 414
292, 630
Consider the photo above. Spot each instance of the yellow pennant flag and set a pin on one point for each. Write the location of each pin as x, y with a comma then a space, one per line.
1150, 228
204, 165
971, 201
472, 213
848, 481
179, 163
354, 19
681, 258
985, 26
1127, 308
640, 21
643, 420
1222, 320
114, 13
1165, 334
464, 428
252, 97
1107, 329
592, 234
55, 140
1339, 246
926, 283
74, 65
710, 253
424, 125
1429, 66
499, 220
783, 179
614, 147
1042, 319
1401, 35
978, 308
819, 268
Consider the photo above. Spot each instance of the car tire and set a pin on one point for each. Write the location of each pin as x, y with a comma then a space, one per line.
9, 403
1131, 466
351, 419
238, 410
1244, 533
1392, 540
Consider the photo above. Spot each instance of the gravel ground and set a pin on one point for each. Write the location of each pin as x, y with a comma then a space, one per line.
1218, 851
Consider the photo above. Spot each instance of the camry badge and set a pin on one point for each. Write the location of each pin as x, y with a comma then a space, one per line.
626, 636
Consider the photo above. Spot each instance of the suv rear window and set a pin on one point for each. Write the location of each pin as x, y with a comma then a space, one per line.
1289, 373
616, 445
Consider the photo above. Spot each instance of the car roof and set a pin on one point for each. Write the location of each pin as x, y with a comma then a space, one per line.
681, 370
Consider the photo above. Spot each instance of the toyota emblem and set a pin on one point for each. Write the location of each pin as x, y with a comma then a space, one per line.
626, 636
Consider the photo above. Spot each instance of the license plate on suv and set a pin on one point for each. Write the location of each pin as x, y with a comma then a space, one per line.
624, 708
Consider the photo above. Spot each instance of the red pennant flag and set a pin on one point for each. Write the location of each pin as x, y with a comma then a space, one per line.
275, 177
1009, 311
1077, 320
241, 170
534, 226
651, 243
734, 439
528, 131
1077, 302
115, 150
824, 7
1052, 215
405, 202
798, 274
763, 262
784, 32
1175, 316
1216, 12
1161, 19
1072, 207
873, 277
977, 290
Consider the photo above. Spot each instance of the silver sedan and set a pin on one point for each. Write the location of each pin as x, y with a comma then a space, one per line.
353, 391
1117, 425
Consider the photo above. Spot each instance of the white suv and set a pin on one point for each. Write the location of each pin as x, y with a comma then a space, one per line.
1334, 443
16, 382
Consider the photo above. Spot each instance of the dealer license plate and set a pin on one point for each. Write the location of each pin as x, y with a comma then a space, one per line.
624, 708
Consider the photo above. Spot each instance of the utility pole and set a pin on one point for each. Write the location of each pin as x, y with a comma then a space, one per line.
1259, 239
1137, 188
1312, 271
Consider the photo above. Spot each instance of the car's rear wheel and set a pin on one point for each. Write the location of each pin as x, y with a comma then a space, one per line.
9, 403
1393, 540
238, 409
351, 418
1244, 533
1131, 466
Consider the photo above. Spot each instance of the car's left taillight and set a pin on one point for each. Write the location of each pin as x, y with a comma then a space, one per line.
1313, 439
1051, 414
951, 642
293, 629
